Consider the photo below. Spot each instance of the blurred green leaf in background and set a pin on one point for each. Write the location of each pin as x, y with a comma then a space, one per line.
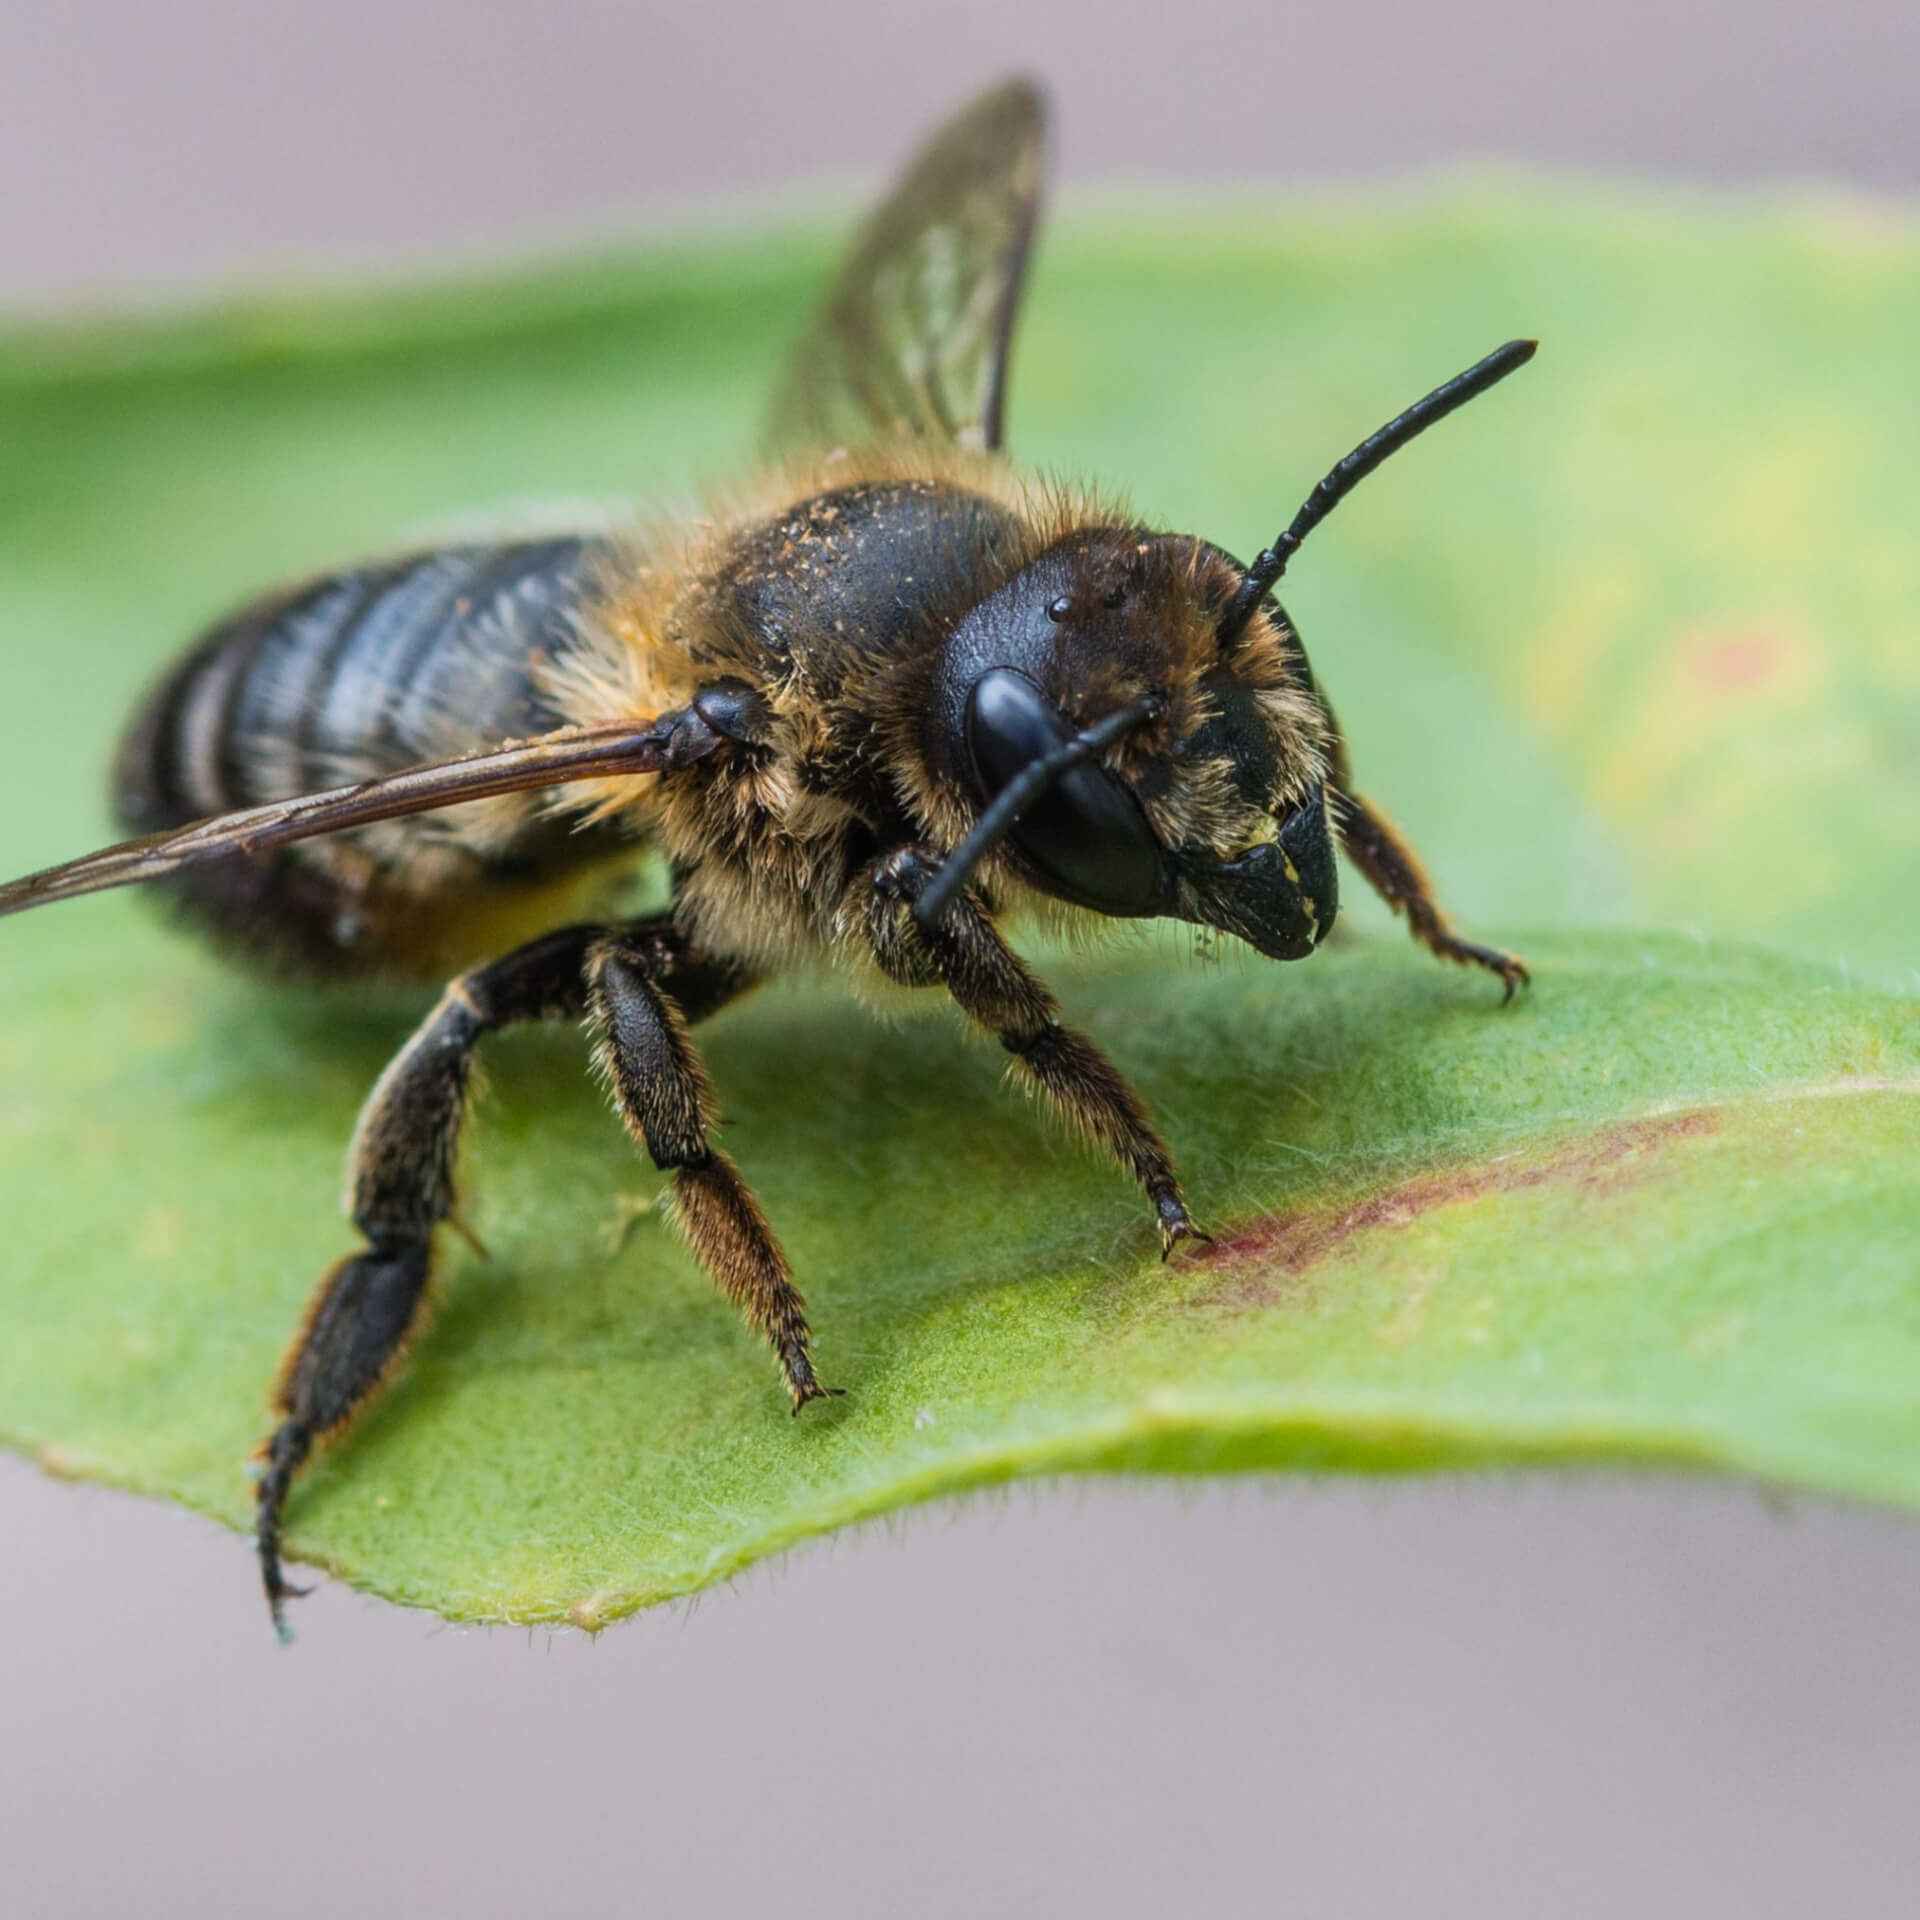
1631, 648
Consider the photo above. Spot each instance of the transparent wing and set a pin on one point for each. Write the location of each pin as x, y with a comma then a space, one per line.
912, 340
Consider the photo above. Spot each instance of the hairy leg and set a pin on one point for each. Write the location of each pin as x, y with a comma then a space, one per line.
643, 1053
1394, 872
400, 1188
994, 988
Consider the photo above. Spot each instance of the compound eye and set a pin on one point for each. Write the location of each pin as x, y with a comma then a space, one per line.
1087, 836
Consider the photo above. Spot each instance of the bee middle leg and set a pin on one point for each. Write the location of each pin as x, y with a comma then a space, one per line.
642, 1051
400, 1185
994, 988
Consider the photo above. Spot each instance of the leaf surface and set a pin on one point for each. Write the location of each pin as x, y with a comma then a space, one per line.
1632, 648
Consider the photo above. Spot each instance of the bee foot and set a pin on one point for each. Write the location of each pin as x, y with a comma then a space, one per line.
1509, 966
279, 1591
813, 1390
1176, 1224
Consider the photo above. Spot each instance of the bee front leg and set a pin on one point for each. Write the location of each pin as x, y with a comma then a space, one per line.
1394, 872
642, 1051
994, 988
400, 1187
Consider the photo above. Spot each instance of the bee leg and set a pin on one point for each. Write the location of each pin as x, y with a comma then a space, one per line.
1394, 872
400, 1186
643, 1053
993, 987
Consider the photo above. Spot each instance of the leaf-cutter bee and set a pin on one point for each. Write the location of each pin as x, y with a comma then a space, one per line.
888, 693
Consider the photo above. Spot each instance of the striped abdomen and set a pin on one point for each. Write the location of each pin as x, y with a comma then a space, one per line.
364, 673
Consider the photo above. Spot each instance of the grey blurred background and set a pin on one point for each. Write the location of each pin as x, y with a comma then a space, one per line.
154, 146
1489, 1698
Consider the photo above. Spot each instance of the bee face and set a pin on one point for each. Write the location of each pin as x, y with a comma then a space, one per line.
1280, 894
1214, 813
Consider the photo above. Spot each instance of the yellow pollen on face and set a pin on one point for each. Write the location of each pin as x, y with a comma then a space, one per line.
1265, 834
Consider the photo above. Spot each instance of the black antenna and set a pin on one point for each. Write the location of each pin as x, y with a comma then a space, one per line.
1270, 565
1013, 800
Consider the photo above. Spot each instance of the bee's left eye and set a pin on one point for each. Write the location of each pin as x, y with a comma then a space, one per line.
1087, 836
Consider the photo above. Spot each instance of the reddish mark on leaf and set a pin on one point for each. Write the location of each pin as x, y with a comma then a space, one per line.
1741, 662
1284, 1245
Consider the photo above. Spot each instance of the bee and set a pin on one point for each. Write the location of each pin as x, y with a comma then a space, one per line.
888, 694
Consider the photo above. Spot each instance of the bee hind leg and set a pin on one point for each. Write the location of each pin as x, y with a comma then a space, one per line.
400, 1181
1393, 870
642, 1051
400, 1187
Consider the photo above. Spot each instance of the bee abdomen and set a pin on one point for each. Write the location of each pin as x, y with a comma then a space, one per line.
352, 676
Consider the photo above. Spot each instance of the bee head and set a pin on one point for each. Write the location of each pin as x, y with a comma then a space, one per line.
1127, 754
1134, 719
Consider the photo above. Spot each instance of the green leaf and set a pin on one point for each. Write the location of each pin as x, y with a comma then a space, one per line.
1631, 648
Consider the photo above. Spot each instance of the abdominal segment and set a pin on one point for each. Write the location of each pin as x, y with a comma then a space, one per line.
360, 674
